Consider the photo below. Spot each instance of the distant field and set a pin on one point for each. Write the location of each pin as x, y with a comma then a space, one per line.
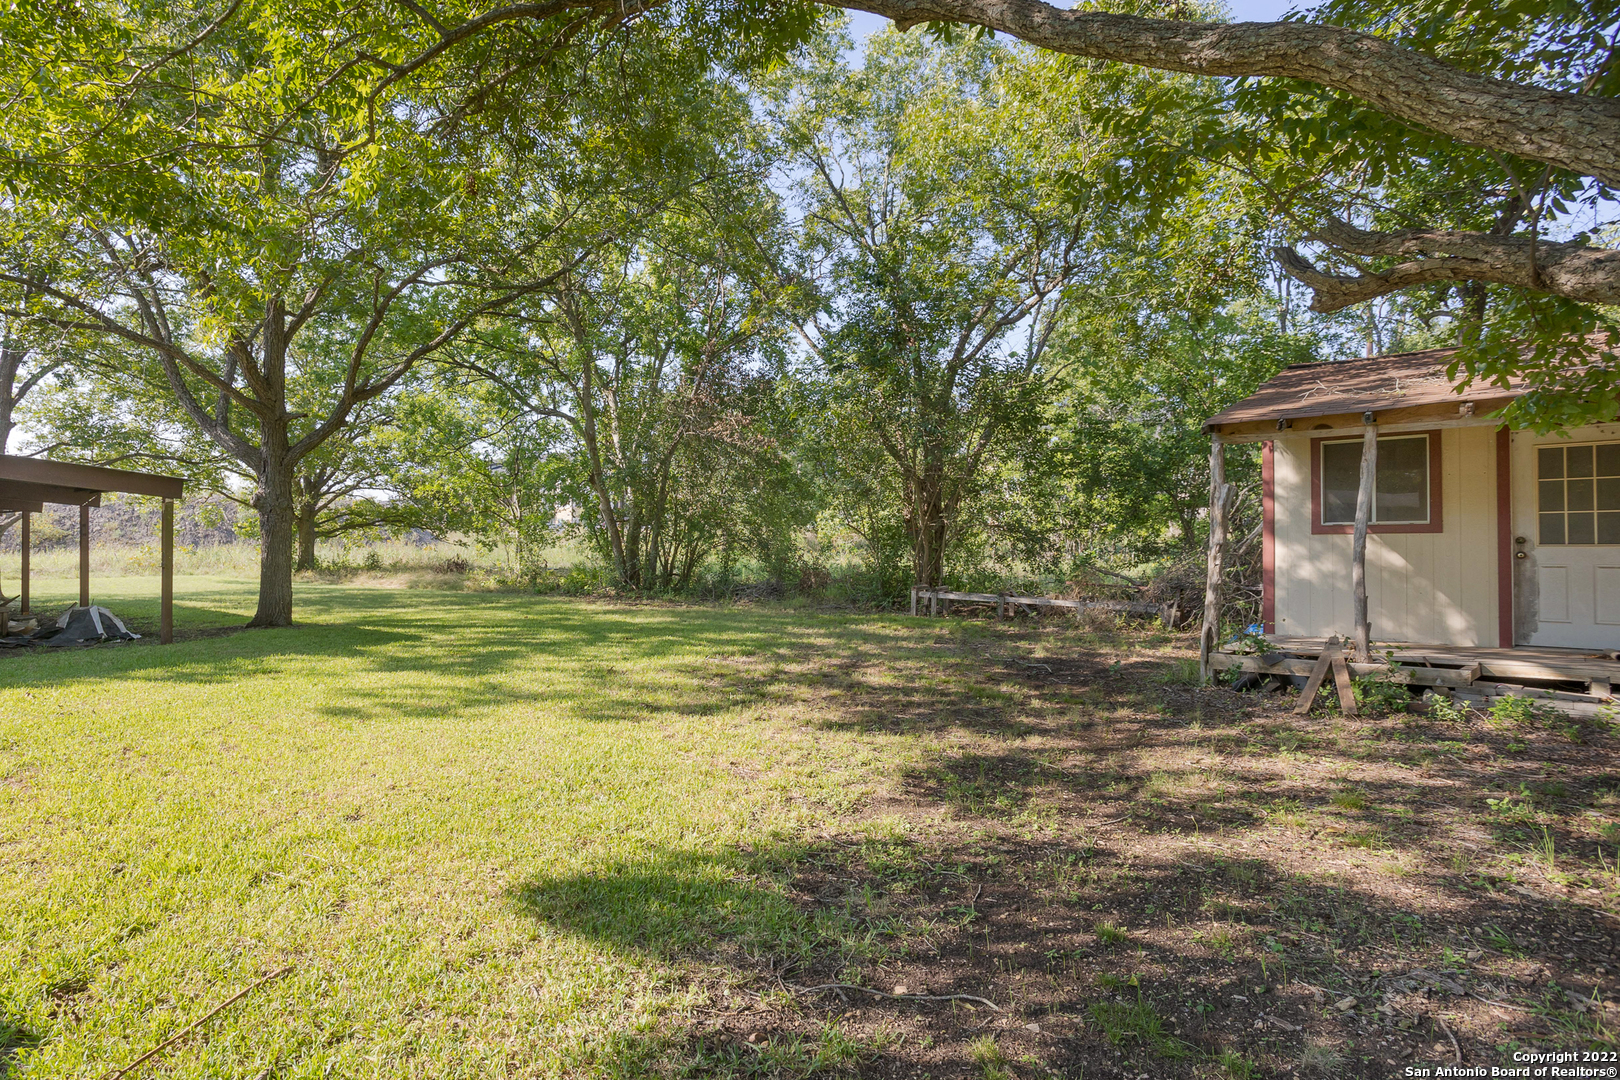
391, 564
498, 835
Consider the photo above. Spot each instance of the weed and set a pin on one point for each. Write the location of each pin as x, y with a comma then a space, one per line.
988, 1056
1349, 800
1320, 1058
1220, 939
1501, 941
1546, 851
1582, 1020
1512, 710
1244, 875
1289, 812
837, 1051
1446, 711
1370, 839
1235, 1066
1380, 695
1182, 672
1110, 935
1137, 1021
1518, 808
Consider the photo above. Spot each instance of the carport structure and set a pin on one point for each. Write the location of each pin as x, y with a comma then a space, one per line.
27, 484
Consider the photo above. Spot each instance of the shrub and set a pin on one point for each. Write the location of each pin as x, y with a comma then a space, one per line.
1447, 710
1380, 695
1515, 711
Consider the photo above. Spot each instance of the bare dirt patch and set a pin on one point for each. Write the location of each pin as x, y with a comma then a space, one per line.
1149, 878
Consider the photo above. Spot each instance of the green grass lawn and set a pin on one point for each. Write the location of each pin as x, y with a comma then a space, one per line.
487, 833
495, 835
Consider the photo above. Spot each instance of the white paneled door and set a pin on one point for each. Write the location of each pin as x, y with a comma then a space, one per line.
1566, 542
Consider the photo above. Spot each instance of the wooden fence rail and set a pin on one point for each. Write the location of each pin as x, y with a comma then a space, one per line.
939, 603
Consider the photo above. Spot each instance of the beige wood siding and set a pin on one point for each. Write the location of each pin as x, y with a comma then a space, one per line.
1437, 588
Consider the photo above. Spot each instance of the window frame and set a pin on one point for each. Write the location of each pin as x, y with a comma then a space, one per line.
1436, 522
1564, 446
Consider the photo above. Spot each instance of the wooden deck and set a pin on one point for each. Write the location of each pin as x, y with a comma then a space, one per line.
1475, 675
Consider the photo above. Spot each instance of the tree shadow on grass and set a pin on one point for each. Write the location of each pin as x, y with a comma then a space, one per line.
1115, 958
14, 1038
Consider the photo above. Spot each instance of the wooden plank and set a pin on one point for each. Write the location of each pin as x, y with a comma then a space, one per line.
1220, 498
1513, 669
48, 493
946, 595
1347, 693
27, 542
1437, 415
91, 477
1289, 665
166, 601
1358, 540
1586, 709
1319, 671
84, 555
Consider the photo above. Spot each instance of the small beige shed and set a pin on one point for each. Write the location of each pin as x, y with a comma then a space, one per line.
1476, 537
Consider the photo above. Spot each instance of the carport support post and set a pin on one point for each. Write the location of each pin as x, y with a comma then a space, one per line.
1358, 540
166, 607
84, 554
1220, 498
27, 521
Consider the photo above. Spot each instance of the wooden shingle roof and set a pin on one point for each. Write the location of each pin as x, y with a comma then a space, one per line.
1377, 383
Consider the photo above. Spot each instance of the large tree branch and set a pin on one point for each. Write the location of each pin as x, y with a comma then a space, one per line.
1570, 131
1571, 270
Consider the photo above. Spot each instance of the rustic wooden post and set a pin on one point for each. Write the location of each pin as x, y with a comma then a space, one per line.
84, 554
26, 529
914, 599
1220, 497
1358, 542
166, 604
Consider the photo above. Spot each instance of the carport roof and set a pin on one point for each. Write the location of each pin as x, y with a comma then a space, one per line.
36, 480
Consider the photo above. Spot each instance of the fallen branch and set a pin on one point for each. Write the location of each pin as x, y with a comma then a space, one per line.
841, 987
1498, 1004
195, 1024
1455, 1049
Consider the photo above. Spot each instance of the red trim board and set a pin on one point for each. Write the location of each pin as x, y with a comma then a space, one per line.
1436, 522
1268, 537
1504, 540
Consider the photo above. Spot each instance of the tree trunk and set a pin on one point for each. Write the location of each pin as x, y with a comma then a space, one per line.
277, 519
1220, 505
928, 537
307, 510
1358, 541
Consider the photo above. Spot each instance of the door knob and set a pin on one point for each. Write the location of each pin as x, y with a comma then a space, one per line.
1519, 555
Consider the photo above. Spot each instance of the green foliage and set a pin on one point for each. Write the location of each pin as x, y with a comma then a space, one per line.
1138, 1022
1513, 710
1382, 694
1339, 161
1127, 432
974, 265
1446, 710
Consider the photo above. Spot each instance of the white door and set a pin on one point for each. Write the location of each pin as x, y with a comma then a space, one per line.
1566, 525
